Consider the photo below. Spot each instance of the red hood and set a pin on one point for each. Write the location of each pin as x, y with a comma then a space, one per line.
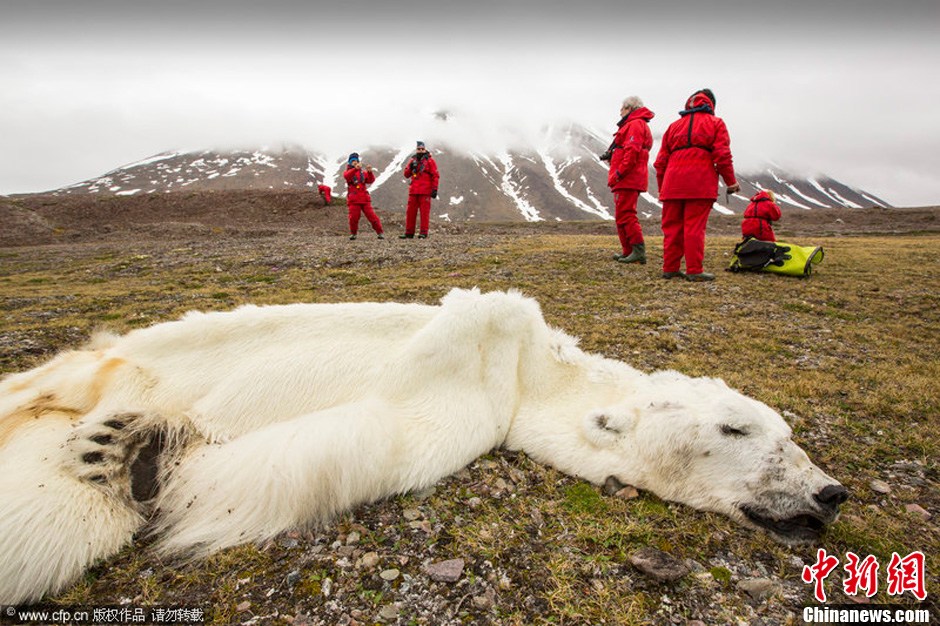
642, 113
698, 99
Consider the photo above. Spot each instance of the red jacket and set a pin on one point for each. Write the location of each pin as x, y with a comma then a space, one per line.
629, 162
423, 174
757, 217
357, 180
696, 148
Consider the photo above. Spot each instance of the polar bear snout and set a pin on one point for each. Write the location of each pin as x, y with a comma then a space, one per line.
831, 497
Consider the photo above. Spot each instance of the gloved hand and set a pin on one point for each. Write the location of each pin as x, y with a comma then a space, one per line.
434, 193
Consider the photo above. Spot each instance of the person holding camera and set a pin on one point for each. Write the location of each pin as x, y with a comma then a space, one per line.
629, 176
695, 151
358, 178
422, 170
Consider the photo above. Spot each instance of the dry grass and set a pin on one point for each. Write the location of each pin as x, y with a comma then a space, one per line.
850, 356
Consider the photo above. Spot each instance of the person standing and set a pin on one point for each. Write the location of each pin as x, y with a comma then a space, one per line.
758, 216
358, 199
695, 151
422, 171
629, 176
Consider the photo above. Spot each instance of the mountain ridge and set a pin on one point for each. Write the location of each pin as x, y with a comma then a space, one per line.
559, 178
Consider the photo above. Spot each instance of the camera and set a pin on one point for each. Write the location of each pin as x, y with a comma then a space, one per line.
606, 156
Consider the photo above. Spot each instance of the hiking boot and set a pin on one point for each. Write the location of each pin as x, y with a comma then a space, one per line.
351, 237
638, 255
381, 236
668, 275
700, 278
407, 236
617, 257
423, 236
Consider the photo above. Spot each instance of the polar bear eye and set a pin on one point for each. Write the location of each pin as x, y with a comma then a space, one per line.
733, 431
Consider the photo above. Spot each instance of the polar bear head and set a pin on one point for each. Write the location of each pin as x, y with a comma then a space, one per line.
698, 442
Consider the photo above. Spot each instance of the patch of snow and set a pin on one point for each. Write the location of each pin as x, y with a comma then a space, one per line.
529, 212
722, 209
445, 217
844, 201
552, 170
129, 192
815, 183
651, 199
870, 199
396, 166
455, 201
784, 198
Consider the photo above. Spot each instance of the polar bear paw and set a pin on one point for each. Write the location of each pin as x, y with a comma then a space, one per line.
102, 452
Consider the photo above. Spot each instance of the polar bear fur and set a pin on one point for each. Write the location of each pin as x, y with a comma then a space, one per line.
278, 416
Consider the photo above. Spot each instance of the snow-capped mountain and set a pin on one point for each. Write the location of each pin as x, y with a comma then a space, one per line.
559, 177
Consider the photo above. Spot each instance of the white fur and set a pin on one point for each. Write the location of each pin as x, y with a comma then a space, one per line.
286, 415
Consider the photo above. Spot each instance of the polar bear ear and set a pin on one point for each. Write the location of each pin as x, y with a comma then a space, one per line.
604, 428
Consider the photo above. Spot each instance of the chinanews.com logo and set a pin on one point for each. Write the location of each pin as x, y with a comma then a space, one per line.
902, 575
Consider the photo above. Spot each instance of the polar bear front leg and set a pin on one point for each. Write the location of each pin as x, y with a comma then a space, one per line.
59, 514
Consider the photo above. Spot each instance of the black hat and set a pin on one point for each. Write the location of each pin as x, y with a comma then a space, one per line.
352, 157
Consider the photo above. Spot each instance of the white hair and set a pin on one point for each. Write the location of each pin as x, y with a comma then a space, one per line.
632, 102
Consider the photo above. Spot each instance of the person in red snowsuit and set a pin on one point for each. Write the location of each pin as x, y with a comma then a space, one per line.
422, 170
758, 216
695, 151
326, 193
629, 176
358, 198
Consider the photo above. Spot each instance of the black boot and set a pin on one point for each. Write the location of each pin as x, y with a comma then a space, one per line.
637, 255
407, 236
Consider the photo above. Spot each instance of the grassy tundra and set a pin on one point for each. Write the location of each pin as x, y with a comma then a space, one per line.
849, 356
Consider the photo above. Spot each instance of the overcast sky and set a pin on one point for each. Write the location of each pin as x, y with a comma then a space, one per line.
847, 88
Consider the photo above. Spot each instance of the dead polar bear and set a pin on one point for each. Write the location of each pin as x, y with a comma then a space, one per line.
273, 417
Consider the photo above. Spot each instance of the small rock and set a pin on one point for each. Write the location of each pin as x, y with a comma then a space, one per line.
326, 587
352, 538
411, 514
759, 588
696, 622
389, 613
292, 578
474, 502
658, 565
445, 571
369, 560
389, 574
880, 486
423, 525
243, 606
424, 494
627, 493
917, 509
612, 486
486, 600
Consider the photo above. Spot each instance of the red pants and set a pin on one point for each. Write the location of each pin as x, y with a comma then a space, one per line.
325, 192
628, 226
684, 224
354, 210
418, 202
